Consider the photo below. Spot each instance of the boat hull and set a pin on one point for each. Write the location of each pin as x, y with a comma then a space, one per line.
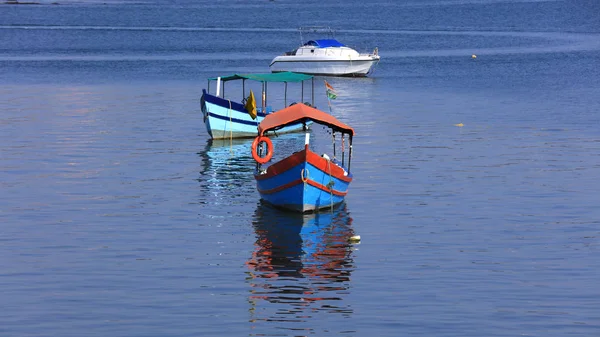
227, 119
325, 66
303, 182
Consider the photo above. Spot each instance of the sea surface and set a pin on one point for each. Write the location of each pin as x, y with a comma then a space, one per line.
476, 173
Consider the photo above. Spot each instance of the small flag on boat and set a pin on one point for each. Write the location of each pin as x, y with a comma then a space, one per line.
331, 94
251, 105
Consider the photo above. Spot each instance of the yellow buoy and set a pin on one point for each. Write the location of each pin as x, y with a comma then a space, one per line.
473, 56
459, 125
354, 239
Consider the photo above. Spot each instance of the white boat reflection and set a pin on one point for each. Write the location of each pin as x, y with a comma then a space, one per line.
300, 268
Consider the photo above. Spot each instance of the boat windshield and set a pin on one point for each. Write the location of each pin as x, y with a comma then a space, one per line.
324, 43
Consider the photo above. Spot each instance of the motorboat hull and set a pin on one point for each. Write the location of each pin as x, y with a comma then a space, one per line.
325, 66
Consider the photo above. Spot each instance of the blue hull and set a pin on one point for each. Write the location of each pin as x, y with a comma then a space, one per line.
304, 182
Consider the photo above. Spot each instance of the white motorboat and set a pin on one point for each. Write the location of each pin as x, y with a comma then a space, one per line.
327, 57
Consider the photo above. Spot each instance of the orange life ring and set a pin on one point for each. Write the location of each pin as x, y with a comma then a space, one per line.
258, 140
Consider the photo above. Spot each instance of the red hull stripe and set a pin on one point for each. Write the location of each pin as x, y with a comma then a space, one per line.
324, 188
310, 157
283, 165
299, 181
282, 187
326, 166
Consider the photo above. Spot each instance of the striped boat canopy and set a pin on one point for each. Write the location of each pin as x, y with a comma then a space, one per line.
301, 113
285, 76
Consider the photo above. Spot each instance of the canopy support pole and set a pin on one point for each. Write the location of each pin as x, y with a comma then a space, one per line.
313, 92
333, 140
262, 98
349, 152
343, 150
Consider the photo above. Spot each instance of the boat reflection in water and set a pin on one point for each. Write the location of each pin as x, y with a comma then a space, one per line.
226, 169
299, 271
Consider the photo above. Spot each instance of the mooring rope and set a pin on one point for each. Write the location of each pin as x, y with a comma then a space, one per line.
304, 180
330, 184
230, 131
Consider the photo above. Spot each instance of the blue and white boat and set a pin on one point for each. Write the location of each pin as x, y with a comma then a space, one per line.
227, 118
303, 181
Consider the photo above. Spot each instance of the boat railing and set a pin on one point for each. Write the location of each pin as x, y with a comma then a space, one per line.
315, 29
374, 53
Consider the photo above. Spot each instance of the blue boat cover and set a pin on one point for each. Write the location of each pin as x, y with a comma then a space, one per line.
325, 43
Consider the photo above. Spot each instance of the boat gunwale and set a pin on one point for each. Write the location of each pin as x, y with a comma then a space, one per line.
305, 156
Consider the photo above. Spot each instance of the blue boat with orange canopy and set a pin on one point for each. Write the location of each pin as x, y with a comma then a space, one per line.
303, 181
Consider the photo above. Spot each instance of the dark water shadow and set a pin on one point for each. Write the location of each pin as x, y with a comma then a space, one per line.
300, 268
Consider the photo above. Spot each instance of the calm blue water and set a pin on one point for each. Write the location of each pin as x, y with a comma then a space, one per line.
120, 218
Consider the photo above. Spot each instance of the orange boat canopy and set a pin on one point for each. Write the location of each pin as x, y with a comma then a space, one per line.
301, 113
